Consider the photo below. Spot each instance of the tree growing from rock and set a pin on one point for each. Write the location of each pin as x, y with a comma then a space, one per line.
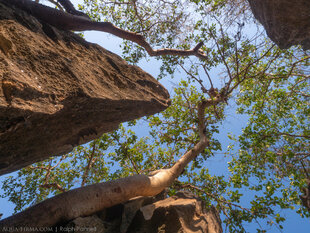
270, 159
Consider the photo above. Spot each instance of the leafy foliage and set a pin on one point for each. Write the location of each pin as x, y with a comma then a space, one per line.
268, 162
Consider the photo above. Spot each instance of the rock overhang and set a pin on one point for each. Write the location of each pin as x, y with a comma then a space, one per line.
58, 91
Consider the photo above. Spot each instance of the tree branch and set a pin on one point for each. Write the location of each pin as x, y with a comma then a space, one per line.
67, 21
87, 200
88, 166
70, 8
53, 185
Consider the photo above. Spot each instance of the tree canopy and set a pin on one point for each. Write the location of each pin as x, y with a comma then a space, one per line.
268, 164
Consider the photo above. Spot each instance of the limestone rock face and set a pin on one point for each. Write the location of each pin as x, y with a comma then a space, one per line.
58, 91
287, 22
182, 213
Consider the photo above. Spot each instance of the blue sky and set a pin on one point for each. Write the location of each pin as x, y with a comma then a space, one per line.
217, 164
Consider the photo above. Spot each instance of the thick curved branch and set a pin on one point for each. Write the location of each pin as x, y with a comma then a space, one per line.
60, 7
74, 22
90, 199
70, 8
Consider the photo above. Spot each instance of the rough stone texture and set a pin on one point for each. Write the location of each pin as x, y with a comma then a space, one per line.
84, 224
305, 197
182, 213
58, 91
287, 22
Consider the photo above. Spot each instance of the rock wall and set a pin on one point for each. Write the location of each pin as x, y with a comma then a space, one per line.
182, 213
287, 22
58, 91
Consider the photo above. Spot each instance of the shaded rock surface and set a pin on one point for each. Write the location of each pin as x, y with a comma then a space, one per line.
58, 91
181, 213
305, 197
287, 22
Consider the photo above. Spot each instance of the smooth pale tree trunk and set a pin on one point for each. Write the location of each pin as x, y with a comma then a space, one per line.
90, 199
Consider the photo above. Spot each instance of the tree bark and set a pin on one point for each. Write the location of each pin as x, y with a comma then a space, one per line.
90, 199
74, 22
305, 198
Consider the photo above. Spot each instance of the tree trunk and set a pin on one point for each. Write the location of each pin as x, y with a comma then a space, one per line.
87, 200
90, 199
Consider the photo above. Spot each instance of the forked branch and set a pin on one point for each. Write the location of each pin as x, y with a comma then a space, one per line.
78, 21
90, 199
